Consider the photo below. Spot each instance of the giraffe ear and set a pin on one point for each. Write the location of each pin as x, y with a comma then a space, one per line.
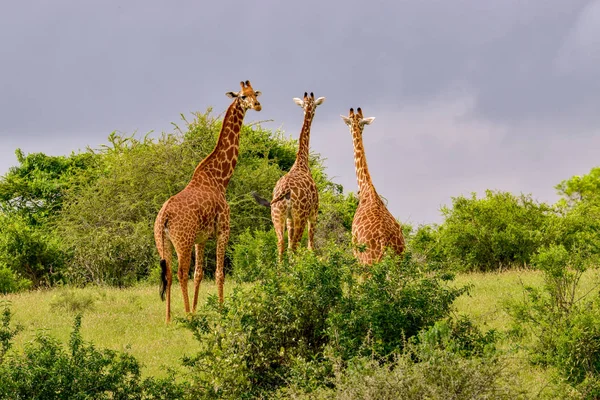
298, 101
366, 121
319, 100
347, 120
231, 95
257, 93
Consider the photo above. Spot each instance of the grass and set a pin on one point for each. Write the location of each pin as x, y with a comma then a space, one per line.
487, 304
132, 319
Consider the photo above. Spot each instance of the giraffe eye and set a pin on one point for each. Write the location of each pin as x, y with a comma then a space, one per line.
243, 97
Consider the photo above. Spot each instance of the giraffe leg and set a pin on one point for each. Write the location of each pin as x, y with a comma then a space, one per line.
198, 272
291, 232
169, 277
222, 239
184, 258
299, 224
278, 217
312, 224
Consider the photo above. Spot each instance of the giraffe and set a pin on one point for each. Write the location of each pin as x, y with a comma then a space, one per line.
298, 188
373, 225
200, 211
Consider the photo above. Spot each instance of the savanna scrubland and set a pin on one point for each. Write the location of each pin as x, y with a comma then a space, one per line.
500, 300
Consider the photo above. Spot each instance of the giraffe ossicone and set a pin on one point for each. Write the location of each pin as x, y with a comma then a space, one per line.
200, 211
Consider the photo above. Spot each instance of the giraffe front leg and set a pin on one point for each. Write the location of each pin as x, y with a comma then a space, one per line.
198, 272
184, 259
222, 240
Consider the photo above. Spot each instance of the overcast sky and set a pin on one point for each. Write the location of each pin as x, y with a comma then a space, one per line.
467, 95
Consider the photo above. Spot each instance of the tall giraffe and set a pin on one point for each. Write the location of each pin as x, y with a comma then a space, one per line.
200, 211
298, 188
373, 225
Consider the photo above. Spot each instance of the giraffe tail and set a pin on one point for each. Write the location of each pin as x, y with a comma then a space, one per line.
163, 278
260, 200
263, 202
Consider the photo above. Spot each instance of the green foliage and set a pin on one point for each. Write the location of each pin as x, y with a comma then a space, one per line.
564, 322
495, 232
6, 332
10, 282
460, 336
35, 188
48, 371
580, 189
430, 367
398, 299
265, 332
336, 212
29, 252
281, 329
425, 242
254, 255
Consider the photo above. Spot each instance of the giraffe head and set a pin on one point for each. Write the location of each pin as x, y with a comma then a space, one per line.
309, 104
247, 97
356, 121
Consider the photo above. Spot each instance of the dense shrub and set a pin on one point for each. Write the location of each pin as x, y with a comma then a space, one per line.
252, 344
285, 327
10, 282
440, 363
398, 299
48, 371
498, 231
29, 251
254, 255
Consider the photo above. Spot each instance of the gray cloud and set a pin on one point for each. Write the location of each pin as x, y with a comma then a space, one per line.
468, 95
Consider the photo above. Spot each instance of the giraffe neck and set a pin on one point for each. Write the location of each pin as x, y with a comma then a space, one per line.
365, 185
221, 162
303, 145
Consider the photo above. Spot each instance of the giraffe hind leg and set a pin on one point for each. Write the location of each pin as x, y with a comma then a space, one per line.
184, 258
278, 217
312, 224
198, 272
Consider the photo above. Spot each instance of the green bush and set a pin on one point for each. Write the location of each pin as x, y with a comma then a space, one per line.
254, 255
459, 336
287, 326
29, 251
48, 371
6, 332
432, 366
398, 299
263, 333
493, 233
10, 282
